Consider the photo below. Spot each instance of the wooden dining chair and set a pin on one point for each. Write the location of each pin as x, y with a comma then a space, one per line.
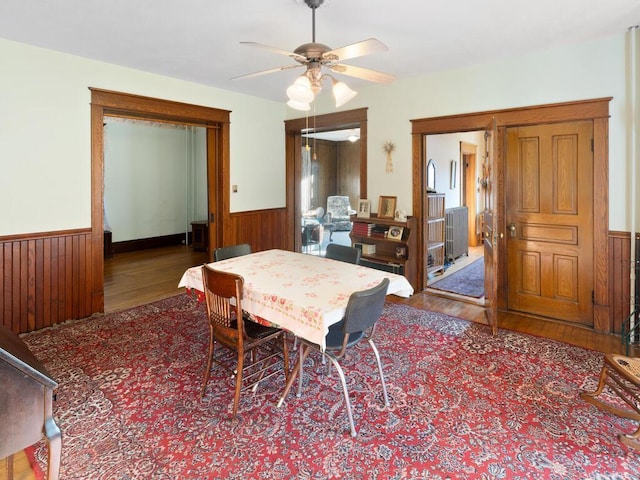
230, 251
343, 253
260, 352
363, 311
621, 374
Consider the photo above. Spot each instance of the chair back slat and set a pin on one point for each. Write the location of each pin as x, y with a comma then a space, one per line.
365, 307
223, 296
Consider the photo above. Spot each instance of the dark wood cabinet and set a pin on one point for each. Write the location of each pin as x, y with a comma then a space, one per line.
26, 402
387, 244
200, 235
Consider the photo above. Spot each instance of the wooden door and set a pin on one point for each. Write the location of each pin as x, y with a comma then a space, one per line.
549, 219
490, 226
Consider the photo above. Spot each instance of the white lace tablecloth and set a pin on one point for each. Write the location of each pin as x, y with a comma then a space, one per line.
304, 294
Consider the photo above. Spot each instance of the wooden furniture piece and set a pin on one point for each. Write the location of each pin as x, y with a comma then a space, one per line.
434, 234
200, 235
363, 311
284, 288
223, 296
383, 250
26, 402
622, 375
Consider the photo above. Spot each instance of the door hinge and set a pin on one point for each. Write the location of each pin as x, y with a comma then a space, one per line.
212, 218
593, 298
592, 145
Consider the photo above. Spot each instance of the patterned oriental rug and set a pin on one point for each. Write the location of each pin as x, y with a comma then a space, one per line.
468, 281
464, 404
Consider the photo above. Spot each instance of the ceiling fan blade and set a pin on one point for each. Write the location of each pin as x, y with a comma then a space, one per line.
364, 73
265, 72
354, 50
275, 50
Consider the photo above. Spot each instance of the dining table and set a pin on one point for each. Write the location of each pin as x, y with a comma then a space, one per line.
303, 294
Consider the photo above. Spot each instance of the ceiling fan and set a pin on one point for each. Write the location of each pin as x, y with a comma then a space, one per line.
314, 56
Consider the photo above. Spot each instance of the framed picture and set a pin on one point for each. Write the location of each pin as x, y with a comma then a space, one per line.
364, 208
387, 207
395, 233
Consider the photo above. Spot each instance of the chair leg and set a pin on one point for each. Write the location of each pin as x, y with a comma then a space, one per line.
384, 386
285, 356
236, 398
346, 394
631, 440
300, 371
292, 376
209, 362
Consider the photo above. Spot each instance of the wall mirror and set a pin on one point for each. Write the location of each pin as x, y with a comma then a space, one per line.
431, 176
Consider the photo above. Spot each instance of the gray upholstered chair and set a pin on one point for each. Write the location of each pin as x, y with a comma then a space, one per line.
362, 313
339, 211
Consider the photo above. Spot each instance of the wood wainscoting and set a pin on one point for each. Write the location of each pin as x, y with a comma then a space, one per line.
46, 279
262, 229
619, 278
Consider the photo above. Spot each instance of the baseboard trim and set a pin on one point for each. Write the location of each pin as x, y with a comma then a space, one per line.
146, 243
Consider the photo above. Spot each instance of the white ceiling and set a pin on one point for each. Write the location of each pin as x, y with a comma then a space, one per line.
199, 40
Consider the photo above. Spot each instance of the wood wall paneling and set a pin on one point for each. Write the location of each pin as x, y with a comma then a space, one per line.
44, 279
620, 277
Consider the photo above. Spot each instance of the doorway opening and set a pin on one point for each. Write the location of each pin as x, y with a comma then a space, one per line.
214, 121
328, 155
455, 260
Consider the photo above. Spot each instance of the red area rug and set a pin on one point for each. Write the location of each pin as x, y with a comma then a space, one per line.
464, 404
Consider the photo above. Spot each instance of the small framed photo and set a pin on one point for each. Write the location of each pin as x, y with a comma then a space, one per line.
395, 233
387, 207
401, 252
364, 208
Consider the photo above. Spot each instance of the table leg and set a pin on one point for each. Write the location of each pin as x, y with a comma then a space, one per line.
294, 373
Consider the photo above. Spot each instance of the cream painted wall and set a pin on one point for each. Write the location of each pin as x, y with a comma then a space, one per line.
45, 135
589, 70
45, 154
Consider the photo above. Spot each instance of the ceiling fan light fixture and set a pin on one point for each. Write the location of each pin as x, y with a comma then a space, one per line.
300, 91
342, 93
302, 106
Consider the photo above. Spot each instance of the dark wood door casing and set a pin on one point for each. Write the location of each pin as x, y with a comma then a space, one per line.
596, 110
293, 154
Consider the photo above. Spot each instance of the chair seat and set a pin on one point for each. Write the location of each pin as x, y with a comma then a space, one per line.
255, 330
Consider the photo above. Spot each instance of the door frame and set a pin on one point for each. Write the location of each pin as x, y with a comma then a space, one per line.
293, 154
216, 121
596, 110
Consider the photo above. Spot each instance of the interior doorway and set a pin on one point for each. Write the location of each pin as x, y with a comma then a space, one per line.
351, 176
216, 123
595, 111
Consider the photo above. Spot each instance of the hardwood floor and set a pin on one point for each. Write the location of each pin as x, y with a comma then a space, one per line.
136, 278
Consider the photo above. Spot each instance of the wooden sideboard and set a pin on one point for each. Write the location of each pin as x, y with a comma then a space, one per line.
26, 402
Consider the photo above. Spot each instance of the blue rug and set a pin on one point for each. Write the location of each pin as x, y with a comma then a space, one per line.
468, 281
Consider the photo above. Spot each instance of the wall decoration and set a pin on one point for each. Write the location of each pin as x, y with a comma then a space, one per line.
454, 174
389, 147
387, 207
364, 208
